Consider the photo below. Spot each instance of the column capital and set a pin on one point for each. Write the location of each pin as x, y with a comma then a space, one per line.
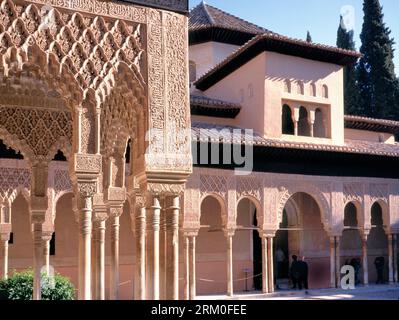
100, 212
5, 228
188, 233
229, 232
47, 235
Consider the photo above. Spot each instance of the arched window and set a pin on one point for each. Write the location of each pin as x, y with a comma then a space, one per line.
319, 127
300, 88
376, 215
325, 91
287, 123
350, 219
193, 71
303, 123
313, 90
287, 86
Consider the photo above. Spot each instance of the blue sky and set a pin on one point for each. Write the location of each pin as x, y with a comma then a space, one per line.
294, 17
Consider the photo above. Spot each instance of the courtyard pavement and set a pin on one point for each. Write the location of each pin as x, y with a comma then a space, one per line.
372, 292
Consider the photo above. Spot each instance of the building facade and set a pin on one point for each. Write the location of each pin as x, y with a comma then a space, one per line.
118, 126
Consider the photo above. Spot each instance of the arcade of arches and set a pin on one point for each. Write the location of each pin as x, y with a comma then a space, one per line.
78, 81
96, 176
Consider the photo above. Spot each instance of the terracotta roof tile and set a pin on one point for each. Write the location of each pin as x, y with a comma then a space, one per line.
201, 105
204, 15
371, 124
204, 132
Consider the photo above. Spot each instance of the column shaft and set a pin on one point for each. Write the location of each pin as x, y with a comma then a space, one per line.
390, 257
140, 270
186, 268
153, 252
265, 272
4, 258
162, 256
395, 257
37, 260
85, 226
114, 289
337, 262
270, 265
99, 247
46, 254
365, 261
332, 262
172, 250
193, 290
230, 283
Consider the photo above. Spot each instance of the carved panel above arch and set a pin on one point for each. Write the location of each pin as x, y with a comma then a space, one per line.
353, 192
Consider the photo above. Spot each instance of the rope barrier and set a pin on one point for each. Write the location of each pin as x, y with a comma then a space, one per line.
236, 280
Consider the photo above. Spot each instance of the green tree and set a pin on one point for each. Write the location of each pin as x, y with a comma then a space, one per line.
308, 37
377, 82
351, 91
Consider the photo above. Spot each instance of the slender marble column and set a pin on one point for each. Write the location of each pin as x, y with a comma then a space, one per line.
99, 260
365, 261
265, 272
172, 249
153, 251
395, 257
46, 254
37, 259
162, 254
390, 257
193, 290
85, 233
186, 268
270, 265
230, 284
4, 255
114, 290
140, 270
337, 261
332, 262
94, 272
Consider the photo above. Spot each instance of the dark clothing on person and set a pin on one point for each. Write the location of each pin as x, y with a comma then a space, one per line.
356, 264
295, 275
304, 272
379, 263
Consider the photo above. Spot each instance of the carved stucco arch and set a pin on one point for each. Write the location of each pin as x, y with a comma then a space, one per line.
359, 212
222, 204
286, 193
258, 207
13, 142
385, 213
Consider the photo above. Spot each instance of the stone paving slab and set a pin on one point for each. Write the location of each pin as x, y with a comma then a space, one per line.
382, 292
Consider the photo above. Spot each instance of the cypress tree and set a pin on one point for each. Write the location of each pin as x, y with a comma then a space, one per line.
351, 93
377, 82
308, 37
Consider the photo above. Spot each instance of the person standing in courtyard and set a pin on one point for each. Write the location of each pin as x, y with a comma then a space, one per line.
379, 263
295, 273
304, 272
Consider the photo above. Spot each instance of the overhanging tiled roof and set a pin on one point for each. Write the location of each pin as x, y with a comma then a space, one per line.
204, 106
207, 23
204, 132
275, 43
370, 124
